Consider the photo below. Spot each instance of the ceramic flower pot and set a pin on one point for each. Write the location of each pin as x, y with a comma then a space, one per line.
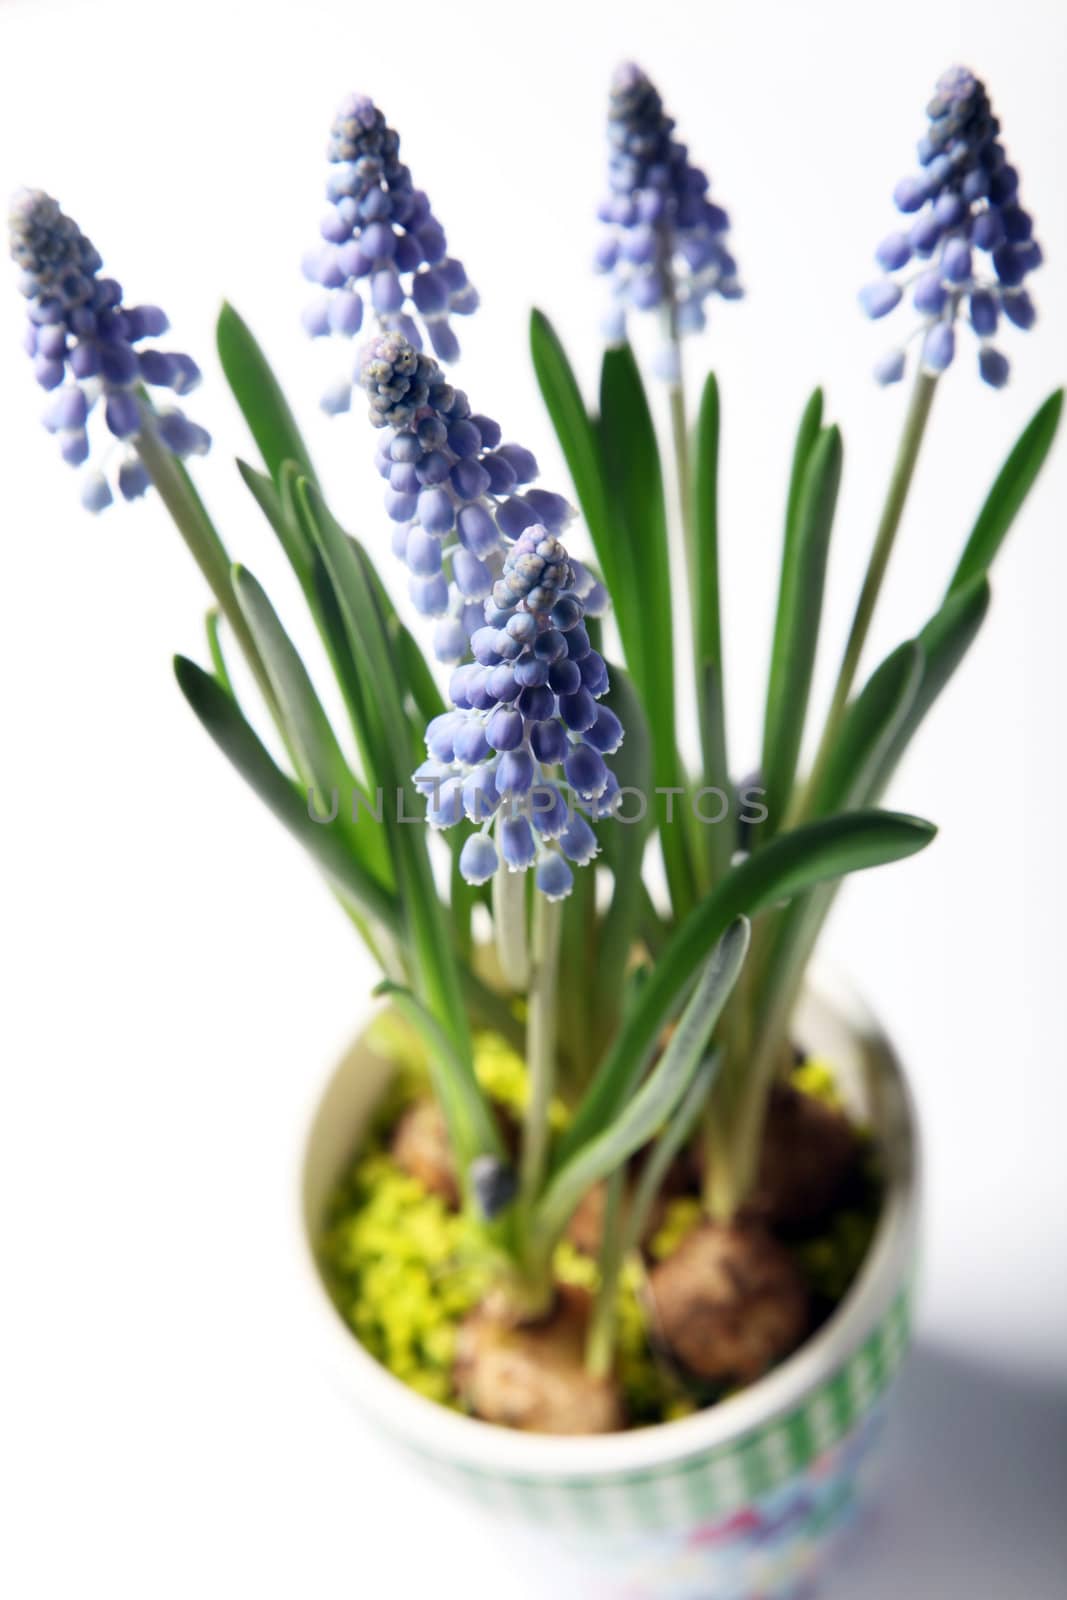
740, 1502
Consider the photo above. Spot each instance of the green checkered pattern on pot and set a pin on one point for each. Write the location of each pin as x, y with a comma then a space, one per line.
706, 1485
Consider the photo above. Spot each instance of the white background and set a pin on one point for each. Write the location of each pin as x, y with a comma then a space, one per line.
177, 982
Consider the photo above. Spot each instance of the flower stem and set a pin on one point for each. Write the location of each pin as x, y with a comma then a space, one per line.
911, 439
541, 1026
187, 511
509, 923
600, 1342
701, 624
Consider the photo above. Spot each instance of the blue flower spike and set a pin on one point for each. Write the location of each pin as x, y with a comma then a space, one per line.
457, 496
523, 709
665, 241
968, 247
521, 752
88, 351
382, 254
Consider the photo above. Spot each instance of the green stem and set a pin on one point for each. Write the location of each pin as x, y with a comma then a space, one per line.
724, 1185
509, 926
600, 1341
915, 421
679, 415
541, 1027
190, 517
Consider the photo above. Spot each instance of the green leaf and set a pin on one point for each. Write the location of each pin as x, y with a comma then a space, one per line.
638, 1120
707, 625
388, 737
623, 844
574, 430
214, 644
579, 437
868, 727
259, 395
796, 632
877, 729
849, 779
639, 517
944, 641
220, 716
319, 759
1013, 483
414, 672
179, 494
706, 508
633, 477
807, 434
472, 1129
660, 1158
793, 862
285, 525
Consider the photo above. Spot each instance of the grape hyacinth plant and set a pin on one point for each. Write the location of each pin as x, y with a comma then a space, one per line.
591, 935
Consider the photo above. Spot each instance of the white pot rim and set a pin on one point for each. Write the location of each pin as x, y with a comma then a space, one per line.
447, 1435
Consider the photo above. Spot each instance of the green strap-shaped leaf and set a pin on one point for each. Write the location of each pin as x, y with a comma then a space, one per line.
319, 759
869, 725
259, 395
707, 623
796, 632
579, 439
639, 518
642, 1117
413, 670
286, 526
214, 644
472, 1129
575, 431
793, 862
660, 1158
220, 716
579, 960
707, 619
808, 431
623, 843
280, 506
848, 778
1011, 487
861, 765
388, 735
944, 642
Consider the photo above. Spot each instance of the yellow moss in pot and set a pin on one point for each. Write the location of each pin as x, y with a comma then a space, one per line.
405, 1269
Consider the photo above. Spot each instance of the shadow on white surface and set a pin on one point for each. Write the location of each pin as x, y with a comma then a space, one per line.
973, 1501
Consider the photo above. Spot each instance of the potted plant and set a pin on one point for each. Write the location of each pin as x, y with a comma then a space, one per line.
611, 1210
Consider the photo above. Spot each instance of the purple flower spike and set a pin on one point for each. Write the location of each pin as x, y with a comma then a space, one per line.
85, 342
525, 729
508, 747
451, 483
665, 241
967, 224
382, 246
